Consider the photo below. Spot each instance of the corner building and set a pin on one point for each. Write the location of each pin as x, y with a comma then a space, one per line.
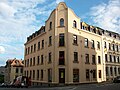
65, 50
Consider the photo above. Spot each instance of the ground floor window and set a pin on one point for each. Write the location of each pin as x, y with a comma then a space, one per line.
49, 75
106, 71
75, 75
99, 73
94, 73
87, 74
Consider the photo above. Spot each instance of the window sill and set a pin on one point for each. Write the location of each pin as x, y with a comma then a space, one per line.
87, 63
49, 62
49, 45
38, 50
86, 47
75, 44
93, 48
61, 26
75, 61
50, 29
93, 63
75, 28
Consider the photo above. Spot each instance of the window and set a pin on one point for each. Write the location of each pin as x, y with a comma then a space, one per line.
42, 43
75, 56
106, 58
31, 48
105, 45
30, 73
41, 59
93, 44
110, 58
61, 39
28, 50
87, 74
17, 70
114, 59
41, 74
118, 59
74, 39
50, 40
99, 60
86, 42
50, 25
38, 45
111, 71
106, 71
98, 45
34, 47
119, 71
49, 60
33, 61
87, 58
117, 48
74, 24
113, 47
61, 58
33, 74
75, 75
109, 46
93, 59
38, 60
94, 73
30, 61
99, 73
49, 75
115, 70
27, 73
21, 70
37, 74
61, 22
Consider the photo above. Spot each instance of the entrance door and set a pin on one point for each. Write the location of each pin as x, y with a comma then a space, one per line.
61, 75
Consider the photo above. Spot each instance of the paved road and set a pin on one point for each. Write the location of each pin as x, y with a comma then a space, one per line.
78, 87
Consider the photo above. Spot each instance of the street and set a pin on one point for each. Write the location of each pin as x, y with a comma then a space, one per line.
112, 86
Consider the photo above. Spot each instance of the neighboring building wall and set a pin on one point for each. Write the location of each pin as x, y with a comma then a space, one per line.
111, 51
65, 51
14, 68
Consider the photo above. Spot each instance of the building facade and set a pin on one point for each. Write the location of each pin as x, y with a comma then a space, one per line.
111, 54
65, 50
14, 68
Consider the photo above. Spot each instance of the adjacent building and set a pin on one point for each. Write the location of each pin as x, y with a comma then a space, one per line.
111, 54
68, 51
14, 68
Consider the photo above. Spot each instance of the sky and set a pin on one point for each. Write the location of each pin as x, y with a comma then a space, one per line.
20, 18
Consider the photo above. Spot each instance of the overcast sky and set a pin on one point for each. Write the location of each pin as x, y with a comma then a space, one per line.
20, 18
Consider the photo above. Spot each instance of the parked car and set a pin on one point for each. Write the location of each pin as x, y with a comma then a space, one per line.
116, 79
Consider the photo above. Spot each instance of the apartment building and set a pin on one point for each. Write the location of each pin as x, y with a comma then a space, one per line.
65, 50
13, 69
111, 54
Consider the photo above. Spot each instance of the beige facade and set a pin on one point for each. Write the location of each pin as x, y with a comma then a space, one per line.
14, 68
111, 51
65, 50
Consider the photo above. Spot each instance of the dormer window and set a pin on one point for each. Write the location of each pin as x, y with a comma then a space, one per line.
61, 22
50, 25
74, 24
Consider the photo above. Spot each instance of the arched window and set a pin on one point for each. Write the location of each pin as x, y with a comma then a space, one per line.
50, 25
74, 24
61, 22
